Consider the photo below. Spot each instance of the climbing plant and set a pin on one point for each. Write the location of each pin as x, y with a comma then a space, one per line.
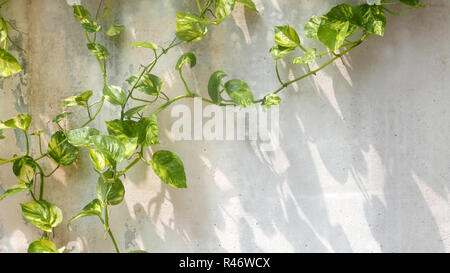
340, 30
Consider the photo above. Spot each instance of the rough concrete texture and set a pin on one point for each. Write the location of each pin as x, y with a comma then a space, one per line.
364, 161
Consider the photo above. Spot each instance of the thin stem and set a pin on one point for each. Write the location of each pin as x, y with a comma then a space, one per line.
96, 113
40, 144
52, 172
88, 111
27, 141
313, 72
41, 188
148, 69
208, 4
184, 82
10, 160
165, 105
278, 72
135, 161
109, 230
32, 195
199, 6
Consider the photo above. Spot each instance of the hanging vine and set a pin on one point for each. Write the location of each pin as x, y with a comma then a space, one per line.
340, 30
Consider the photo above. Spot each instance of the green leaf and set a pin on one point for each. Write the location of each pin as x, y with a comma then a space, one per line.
115, 29
133, 111
25, 169
214, 86
239, 92
60, 117
138, 251
1, 134
248, 3
98, 50
148, 131
115, 95
3, 30
278, 52
145, 45
8, 64
271, 100
82, 136
98, 159
94, 208
148, 84
110, 192
371, 18
332, 33
18, 188
44, 246
21, 122
127, 132
169, 167
342, 12
186, 58
286, 36
90, 26
80, 99
190, 27
312, 27
111, 147
60, 150
223, 9
309, 57
80, 12
42, 214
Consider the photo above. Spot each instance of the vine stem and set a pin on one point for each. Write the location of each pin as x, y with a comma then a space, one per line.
147, 69
313, 72
109, 230
42, 176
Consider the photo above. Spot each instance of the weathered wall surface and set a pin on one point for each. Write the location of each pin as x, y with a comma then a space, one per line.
364, 160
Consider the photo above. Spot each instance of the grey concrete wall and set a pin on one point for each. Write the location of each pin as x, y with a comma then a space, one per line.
364, 160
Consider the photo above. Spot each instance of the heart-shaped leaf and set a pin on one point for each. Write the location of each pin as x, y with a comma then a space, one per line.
223, 9
188, 57
94, 208
98, 50
239, 92
8, 64
115, 95
98, 159
111, 147
148, 131
42, 214
169, 167
127, 131
115, 29
18, 188
82, 136
286, 36
60, 150
44, 246
148, 84
80, 99
21, 121
110, 192
190, 27
214, 86
25, 169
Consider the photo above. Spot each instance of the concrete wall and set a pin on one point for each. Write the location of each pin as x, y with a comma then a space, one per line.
364, 160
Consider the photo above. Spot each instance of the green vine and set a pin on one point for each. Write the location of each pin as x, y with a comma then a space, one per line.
130, 134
